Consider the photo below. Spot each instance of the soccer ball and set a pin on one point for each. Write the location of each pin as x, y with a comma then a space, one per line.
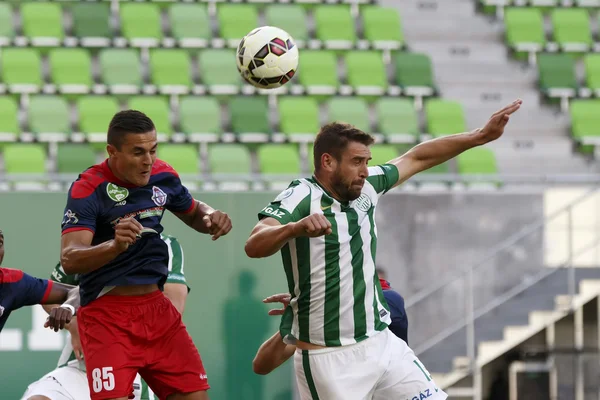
267, 57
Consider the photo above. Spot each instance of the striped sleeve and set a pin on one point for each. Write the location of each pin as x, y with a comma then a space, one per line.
383, 177
288, 205
176, 261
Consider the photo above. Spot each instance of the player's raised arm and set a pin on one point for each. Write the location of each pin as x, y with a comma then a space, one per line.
437, 151
205, 219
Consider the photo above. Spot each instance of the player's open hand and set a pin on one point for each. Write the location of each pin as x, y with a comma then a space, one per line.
58, 318
127, 231
218, 224
495, 126
283, 298
314, 225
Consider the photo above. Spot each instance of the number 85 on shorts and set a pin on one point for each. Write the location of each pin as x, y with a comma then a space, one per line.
103, 378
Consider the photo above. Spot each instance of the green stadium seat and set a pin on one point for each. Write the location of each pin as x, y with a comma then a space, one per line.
592, 71
585, 121
318, 72
9, 119
218, 70
572, 29
70, 69
299, 117
42, 23
479, 160
21, 158
366, 72
7, 31
74, 158
200, 117
250, 118
21, 69
229, 159
140, 23
91, 23
350, 110
121, 70
444, 117
382, 27
382, 153
95, 113
49, 115
291, 18
414, 73
184, 158
397, 119
335, 26
235, 21
171, 70
190, 24
557, 75
157, 108
278, 159
525, 29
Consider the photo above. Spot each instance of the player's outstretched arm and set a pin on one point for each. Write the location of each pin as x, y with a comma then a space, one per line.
205, 219
60, 317
437, 151
272, 354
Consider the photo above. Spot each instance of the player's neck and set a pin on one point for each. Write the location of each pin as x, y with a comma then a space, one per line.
328, 188
115, 172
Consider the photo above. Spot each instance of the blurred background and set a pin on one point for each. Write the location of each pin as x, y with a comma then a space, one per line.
496, 252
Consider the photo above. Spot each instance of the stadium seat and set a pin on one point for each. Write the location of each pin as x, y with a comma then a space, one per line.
171, 70
572, 29
278, 159
557, 74
121, 70
382, 26
157, 108
318, 72
397, 117
366, 72
524, 28
444, 117
350, 110
74, 158
229, 159
200, 116
21, 69
184, 158
91, 23
480, 160
140, 23
219, 71
49, 114
21, 158
592, 71
190, 24
95, 113
70, 69
249, 115
299, 115
7, 30
335, 26
414, 73
382, 153
9, 121
289, 17
236, 20
42, 23
585, 119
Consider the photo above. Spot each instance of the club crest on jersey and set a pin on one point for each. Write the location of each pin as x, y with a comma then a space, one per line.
158, 196
70, 218
284, 195
363, 203
116, 193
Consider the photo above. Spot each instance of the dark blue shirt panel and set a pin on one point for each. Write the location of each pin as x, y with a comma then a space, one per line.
18, 289
399, 325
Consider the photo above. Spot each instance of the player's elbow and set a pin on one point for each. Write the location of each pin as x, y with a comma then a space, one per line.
259, 367
66, 261
252, 248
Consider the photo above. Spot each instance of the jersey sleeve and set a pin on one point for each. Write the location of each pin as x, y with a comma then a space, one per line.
181, 200
32, 291
81, 211
59, 275
383, 177
176, 261
291, 205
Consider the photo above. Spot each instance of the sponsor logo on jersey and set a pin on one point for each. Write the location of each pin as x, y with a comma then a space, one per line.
121, 203
273, 212
116, 193
422, 395
325, 208
141, 214
203, 377
158, 196
363, 203
70, 218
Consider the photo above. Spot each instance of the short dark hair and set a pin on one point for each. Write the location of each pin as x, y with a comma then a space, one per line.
128, 121
333, 139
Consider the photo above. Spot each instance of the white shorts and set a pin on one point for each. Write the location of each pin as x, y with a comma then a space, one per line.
381, 367
70, 383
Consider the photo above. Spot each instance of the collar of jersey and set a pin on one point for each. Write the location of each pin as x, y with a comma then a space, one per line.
316, 182
112, 178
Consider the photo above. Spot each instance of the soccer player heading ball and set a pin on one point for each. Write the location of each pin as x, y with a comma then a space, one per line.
111, 237
325, 228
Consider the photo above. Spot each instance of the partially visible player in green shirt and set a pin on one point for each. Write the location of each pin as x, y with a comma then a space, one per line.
69, 381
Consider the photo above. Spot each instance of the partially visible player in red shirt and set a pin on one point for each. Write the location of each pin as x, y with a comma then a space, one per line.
18, 289
111, 238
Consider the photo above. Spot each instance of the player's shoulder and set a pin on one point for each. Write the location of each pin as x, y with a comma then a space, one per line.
162, 167
298, 189
88, 181
9, 275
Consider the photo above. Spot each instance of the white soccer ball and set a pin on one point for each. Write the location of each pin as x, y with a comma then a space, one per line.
267, 57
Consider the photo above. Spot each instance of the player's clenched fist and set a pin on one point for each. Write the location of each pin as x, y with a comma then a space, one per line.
127, 231
218, 224
314, 225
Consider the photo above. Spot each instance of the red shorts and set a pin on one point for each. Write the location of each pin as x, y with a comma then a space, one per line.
125, 335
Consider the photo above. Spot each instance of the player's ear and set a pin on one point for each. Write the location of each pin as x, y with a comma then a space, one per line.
328, 162
111, 150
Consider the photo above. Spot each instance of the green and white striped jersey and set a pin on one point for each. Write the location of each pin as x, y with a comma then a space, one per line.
176, 275
336, 297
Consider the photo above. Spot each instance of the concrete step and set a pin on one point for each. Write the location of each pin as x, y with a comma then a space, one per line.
442, 28
485, 75
465, 50
449, 8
